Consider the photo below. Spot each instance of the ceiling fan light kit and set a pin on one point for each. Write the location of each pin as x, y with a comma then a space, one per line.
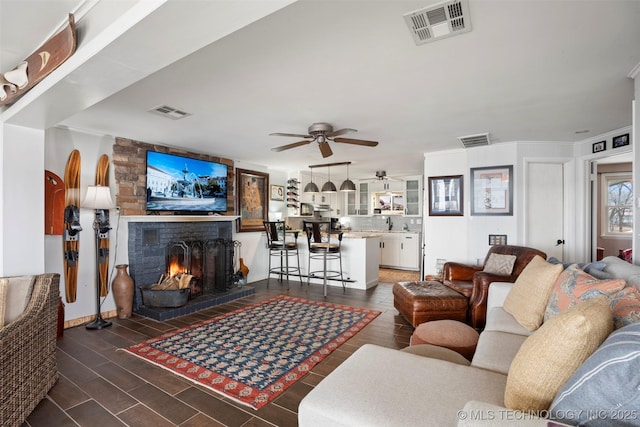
322, 133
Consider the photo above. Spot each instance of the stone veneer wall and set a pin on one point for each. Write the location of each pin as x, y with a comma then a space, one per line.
130, 169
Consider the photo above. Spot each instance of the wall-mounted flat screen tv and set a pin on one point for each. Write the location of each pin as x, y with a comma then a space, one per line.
185, 185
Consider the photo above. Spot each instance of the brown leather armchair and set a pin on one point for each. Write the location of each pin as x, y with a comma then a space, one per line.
472, 282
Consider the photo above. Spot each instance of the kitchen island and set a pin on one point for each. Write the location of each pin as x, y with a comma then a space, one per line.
360, 260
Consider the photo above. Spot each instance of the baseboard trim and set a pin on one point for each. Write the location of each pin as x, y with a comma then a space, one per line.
86, 319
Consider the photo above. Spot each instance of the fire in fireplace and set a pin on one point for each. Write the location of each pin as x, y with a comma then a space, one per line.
208, 262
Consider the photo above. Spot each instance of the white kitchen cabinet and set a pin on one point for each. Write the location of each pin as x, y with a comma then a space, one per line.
356, 203
389, 250
409, 257
400, 250
413, 190
386, 185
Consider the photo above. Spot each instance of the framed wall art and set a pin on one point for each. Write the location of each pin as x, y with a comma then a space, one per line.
251, 188
599, 146
492, 190
446, 195
620, 140
277, 193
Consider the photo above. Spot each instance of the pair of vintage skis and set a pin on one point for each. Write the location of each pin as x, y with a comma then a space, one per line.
72, 228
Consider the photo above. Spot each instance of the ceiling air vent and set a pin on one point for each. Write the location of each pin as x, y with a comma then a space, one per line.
170, 112
471, 141
442, 20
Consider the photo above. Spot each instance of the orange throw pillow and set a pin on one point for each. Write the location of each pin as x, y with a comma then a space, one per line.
574, 285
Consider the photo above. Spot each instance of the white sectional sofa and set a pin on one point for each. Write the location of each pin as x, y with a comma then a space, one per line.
427, 385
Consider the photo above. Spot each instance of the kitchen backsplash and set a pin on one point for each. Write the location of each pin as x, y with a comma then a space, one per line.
379, 222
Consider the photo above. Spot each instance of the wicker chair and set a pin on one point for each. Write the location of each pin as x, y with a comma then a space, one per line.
28, 353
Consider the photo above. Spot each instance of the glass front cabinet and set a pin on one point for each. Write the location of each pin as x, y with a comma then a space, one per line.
413, 196
357, 202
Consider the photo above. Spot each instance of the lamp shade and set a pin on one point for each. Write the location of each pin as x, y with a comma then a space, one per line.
348, 185
98, 197
311, 188
329, 187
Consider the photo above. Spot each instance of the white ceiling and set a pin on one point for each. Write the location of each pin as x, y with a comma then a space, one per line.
529, 70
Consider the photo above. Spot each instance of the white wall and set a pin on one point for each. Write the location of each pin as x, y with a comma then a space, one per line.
22, 195
58, 146
465, 239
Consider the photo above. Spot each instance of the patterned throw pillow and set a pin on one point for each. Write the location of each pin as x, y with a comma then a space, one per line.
550, 356
625, 306
604, 389
574, 285
527, 299
502, 265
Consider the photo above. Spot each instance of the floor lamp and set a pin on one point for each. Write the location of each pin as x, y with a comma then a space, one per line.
99, 198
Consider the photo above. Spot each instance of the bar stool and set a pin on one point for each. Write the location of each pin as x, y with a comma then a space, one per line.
325, 245
281, 247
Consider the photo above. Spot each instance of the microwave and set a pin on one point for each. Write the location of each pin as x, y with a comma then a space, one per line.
306, 209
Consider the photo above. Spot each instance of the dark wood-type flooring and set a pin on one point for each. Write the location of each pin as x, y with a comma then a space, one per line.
100, 386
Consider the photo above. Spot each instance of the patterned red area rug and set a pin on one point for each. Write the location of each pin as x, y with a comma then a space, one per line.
254, 354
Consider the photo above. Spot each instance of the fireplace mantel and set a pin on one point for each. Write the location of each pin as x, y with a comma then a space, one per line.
178, 218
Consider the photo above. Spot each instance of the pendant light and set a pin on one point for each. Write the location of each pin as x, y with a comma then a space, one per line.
348, 185
329, 187
311, 187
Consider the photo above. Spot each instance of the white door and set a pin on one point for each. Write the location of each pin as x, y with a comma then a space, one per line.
544, 208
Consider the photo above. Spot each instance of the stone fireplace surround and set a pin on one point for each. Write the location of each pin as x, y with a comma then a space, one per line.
148, 239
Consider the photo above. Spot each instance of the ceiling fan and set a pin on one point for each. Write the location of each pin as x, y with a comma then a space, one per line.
322, 133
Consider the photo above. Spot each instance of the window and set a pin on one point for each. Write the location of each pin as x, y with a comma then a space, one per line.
618, 218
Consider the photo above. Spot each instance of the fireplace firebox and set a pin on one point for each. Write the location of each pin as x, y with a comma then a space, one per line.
209, 262
202, 249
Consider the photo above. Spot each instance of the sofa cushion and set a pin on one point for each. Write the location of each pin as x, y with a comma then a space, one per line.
623, 270
574, 285
4, 284
548, 358
528, 297
605, 385
378, 386
625, 306
499, 264
501, 321
495, 350
18, 296
589, 267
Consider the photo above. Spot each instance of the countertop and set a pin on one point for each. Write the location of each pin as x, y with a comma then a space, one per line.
364, 234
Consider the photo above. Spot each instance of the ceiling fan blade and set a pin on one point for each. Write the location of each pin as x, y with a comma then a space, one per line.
297, 135
325, 149
356, 141
340, 132
288, 146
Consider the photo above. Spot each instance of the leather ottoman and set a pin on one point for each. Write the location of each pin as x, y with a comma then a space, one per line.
423, 301
450, 334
